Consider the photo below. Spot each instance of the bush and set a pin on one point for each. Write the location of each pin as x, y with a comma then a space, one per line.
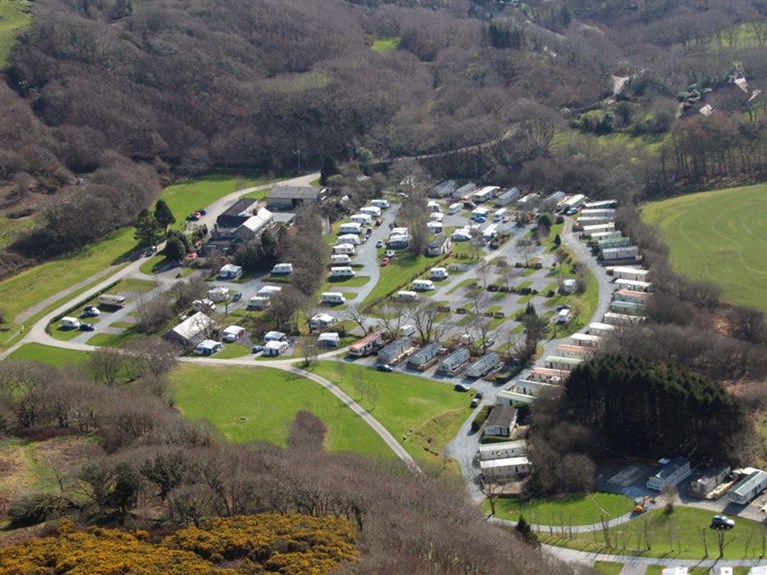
480, 418
34, 508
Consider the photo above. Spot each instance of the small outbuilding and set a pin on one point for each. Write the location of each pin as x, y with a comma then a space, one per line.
501, 421
191, 331
441, 245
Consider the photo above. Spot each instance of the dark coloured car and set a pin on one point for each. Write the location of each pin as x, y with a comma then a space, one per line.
385, 367
461, 387
722, 522
479, 395
237, 296
202, 212
257, 349
87, 327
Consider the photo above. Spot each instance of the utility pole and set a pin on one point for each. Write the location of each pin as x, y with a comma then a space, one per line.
297, 152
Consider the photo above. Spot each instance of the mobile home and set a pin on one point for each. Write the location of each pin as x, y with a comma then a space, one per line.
383, 204
523, 391
572, 350
599, 328
612, 243
627, 308
424, 356
329, 339
629, 273
342, 272
438, 273
433, 206
558, 362
322, 320
361, 218
507, 197
340, 260
332, 297
395, 350
599, 236
748, 487
547, 374
111, 300
586, 231
671, 473
275, 348
259, 302
596, 212
218, 294
208, 347
269, 291
350, 228
601, 204
502, 450
465, 191
586, 340
366, 345
633, 285
343, 249
484, 365
275, 336
454, 361
484, 194
423, 285
575, 202
282, 269
618, 254
594, 220
490, 232
552, 201
631, 296
406, 296
506, 468
373, 211
613, 318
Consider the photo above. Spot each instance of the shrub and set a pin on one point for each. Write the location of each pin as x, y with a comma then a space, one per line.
34, 508
480, 418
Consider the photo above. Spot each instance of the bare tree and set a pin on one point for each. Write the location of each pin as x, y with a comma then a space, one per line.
150, 356
308, 347
425, 317
484, 269
354, 313
392, 317
526, 247
105, 364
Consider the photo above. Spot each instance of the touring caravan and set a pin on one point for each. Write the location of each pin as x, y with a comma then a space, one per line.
383, 204
70, 323
340, 260
333, 297
342, 272
373, 211
350, 228
499, 215
406, 296
113, 300
259, 302
454, 208
423, 285
343, 249
438, 273
352, 239
364, 219
282, 269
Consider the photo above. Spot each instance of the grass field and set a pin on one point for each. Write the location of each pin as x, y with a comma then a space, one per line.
54, 356
608, 567
422, 415
15, 15
399, 272
186, 197
249, 404
382, 45
585, 510
678, 536
720, 237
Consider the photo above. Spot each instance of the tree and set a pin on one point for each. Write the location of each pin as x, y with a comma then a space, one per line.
557, 241
174, 249
526, 247
148, 230
354, 313
105, 364
163, 214
329, 168
526, 532
425, 316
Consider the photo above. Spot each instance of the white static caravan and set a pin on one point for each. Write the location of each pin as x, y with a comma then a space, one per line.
671, 473
633, 285
360, 218
748, 487
490, 232
564, 363
629, 273
406, 296
507, 197
383, 204
113, 300
586, 231
572, 350
547, 374
617, 254
596, 212
485, 193
423, 285
398, 242
628, 308
612, 243
575, 201
340, 260
342, 272
433, 206
454, 361
259, 302
395, 350
505, 468
218, 294
631, 296
424, 356
350, 228
70, 323
352, 239
434, 227
586, 339
523, 391
282, 269
594, 220
613, 318
484, 365
366, 345
597, 328
454, 208
499, 214
438, 274
373, 211
600, 236
517, 448
343, 249
269, 291
275, 348
461, 235
602, 204
332, 298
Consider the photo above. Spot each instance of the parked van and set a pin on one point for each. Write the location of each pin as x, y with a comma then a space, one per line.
406, 296
423, 285
438, 273
342, 272
70, 323
373, 211
454, 208
282, 269
383, 204
364, 219
333, 297
347, 249
340, 260
113, 300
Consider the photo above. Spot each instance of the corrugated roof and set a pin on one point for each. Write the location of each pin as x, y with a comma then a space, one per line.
294, 192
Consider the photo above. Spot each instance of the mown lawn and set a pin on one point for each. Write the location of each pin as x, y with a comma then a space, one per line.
402, 270
678, 535
585, 510
259, 403
186, 197
608, 567
15, 15
54, 356
382, 45
233, 350
422, 415
720, 237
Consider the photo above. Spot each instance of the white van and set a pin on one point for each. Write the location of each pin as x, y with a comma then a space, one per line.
340, 260
438, 273
423, 285
342, 272
383, 204
282, 269
454, 208
364, 219
115, 300
373, 211
333, 297
70, 323
406, 296
347, 249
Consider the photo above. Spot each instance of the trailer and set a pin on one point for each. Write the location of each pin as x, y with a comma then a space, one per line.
618, 254
332, 298
340, 260
601, 204
598, 236
111, 300
434, 227
480, 213
563, 363
425, 356
406, 296
586, 339
464, 192
423, 285
547, 374
259, 302
454, 208
455, 361
490, 232
484, 365
523, 391
572, 350
594, 220
366, 345
629, 273
362, 218
586, 231
383, 204
595, 212
395, 350
350, 228
499, 214
342, 272
438, 273
343, 249
352, 239
269, 291
282, 269
483, 194
634, 285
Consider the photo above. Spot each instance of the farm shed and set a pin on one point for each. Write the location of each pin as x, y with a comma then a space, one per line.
288, 198
454, 361
235, 215
191, 331
748, 487
424, 355
503, 450
395, 350
672, 473
229, 272
366, 345
484, 365
501, 421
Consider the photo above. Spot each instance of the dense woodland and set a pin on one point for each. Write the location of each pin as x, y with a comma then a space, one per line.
104, 101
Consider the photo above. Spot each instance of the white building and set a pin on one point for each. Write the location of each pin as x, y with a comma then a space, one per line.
671, 473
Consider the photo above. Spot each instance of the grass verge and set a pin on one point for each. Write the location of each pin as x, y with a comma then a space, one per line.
585, 510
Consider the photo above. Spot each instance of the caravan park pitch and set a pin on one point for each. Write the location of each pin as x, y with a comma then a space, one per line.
719, 237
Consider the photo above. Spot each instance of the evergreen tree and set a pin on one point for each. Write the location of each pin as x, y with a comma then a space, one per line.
163, 214
174, 249
269, 246
557, 241
329, 168
147, 229
526, 532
